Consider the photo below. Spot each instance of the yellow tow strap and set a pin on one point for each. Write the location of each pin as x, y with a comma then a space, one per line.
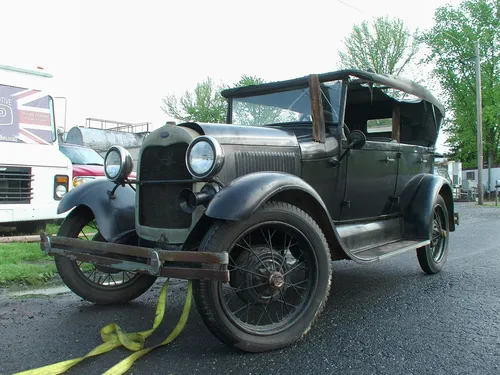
113, 337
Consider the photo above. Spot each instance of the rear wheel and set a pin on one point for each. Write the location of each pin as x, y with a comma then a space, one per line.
433, 256
280, 272
101, 285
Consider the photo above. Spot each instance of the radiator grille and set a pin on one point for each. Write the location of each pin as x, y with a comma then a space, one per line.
256, 161
159, 205
15, 185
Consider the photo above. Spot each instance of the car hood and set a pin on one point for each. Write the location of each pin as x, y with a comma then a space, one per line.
88, 170
233, 134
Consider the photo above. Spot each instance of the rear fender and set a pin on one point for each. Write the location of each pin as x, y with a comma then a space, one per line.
417, 202
114, 215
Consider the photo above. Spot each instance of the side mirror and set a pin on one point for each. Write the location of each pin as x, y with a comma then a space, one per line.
356, 139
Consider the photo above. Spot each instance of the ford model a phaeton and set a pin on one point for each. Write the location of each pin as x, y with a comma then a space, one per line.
306, 171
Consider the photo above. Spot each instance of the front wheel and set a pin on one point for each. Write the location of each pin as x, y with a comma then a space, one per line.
97, 284
280, 275
433, 256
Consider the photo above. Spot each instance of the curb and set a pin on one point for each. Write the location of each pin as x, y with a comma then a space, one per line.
30, 238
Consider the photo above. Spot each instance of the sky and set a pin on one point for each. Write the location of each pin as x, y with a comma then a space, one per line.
116, 60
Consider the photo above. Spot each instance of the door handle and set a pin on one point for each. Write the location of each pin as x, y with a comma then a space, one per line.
388, 159
422, 161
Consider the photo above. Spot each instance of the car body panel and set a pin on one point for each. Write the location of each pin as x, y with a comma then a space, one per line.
114, 214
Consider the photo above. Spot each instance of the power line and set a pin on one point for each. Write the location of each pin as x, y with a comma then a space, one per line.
353, 7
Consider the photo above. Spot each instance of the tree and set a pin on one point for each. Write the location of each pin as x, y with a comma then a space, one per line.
387, 47
451, 44
205, 104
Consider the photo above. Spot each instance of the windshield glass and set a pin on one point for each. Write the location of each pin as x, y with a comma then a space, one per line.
26, 116
82, 155
286, 106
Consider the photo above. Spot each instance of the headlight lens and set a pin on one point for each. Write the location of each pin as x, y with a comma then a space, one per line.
113, 164
204, 157
118, 164
201, 157
61, 191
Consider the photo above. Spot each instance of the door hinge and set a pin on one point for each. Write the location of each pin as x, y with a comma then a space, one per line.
346, 204
393, 199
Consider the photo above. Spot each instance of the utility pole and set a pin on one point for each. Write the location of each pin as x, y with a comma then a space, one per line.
479, 127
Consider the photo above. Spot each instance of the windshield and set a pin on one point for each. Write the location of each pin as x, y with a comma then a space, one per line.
82, 155
26, 116
286, 106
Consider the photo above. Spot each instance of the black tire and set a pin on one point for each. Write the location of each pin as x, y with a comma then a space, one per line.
285, 220
30, 227
433, 257
80, 284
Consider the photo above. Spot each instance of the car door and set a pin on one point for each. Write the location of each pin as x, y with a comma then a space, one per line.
414, 160
371, 176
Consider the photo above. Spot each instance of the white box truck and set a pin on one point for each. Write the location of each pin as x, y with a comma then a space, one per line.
34, 174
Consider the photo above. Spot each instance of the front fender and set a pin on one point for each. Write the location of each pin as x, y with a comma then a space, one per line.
240, 198
113, 215
417, 201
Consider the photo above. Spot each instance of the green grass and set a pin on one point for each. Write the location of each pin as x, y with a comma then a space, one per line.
52, 228
25, 263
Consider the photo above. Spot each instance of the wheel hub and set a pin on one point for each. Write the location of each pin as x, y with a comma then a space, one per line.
259, 277
276, 280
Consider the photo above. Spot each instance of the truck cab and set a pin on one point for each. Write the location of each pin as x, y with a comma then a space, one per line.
34, 174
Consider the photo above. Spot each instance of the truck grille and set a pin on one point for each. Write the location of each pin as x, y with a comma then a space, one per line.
159, 205
15, 185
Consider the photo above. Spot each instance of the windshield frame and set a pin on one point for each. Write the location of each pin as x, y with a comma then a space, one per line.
316, 102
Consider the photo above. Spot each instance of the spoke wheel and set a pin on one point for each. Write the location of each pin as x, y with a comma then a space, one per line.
271, 284
433, 256
104, 277
98, 284
280, 274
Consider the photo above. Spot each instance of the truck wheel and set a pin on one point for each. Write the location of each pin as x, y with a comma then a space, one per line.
100, 285
433, 256
280, 271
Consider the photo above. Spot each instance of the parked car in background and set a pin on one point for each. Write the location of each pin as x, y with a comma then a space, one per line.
87, 163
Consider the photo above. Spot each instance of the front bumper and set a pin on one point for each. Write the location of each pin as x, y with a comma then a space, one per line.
154, 262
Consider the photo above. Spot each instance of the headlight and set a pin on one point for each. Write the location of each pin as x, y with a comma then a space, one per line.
80, 180
61, 183
204, 157
118, 164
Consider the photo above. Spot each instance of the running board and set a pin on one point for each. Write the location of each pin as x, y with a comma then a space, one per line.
389, 249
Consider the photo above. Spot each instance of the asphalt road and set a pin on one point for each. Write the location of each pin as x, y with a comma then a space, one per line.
385, 318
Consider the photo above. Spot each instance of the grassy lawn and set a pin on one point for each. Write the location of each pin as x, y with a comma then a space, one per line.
25, 263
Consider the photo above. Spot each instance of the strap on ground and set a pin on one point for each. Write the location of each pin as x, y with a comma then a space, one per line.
113, 337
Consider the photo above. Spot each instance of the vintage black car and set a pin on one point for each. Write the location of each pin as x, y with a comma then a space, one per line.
305, 171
